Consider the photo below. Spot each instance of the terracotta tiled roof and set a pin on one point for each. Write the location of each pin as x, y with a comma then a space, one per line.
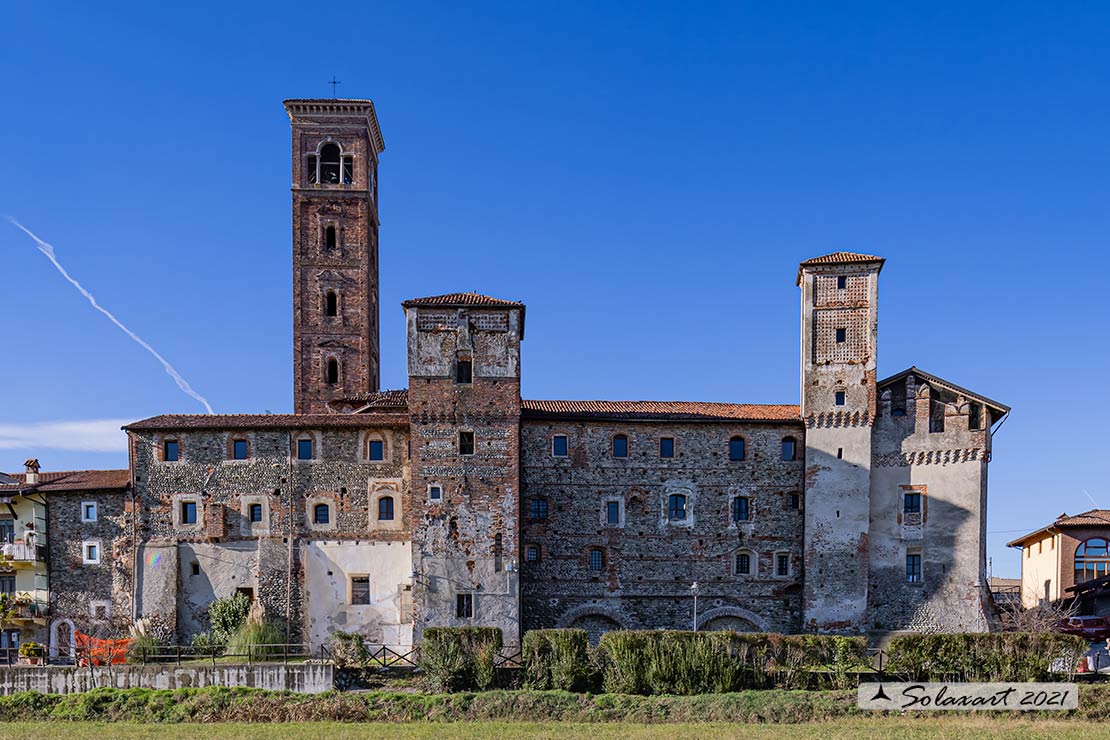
661, 410
461, 300
397, 399
267, 421
838, 258
1094, 517
71, 480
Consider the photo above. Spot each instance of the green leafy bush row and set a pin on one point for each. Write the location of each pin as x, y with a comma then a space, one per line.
679, 662
217, 704
557, 659
460, 658
1003, 656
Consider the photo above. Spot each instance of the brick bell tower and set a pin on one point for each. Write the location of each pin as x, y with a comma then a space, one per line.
839, 348
336, 144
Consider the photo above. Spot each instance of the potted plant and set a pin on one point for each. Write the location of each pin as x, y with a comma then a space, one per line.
31, 653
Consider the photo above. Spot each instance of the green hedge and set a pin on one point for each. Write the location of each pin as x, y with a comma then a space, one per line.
557, 659
679, 662
460, 658
1003, 656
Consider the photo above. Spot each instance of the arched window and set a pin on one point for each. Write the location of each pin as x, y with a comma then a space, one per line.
329, 164
789, 449
736, 449
331, 304
596, 559
385, 509
329, 237
741, 509
676, 507
1092, 560
332, 373
321, 514
620, 445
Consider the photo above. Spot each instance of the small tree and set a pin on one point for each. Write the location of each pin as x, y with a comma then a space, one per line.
227, 615
1042, 619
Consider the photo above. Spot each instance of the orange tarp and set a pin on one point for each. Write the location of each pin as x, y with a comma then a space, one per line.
94, 651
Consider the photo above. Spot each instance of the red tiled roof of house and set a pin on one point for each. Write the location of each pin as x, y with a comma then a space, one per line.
393, 399
71, 480
461, 299
836, 258
268, 421
661, 410
1092, 518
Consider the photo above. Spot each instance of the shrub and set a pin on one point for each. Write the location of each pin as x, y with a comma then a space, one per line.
347, 650
203, 644
227, 615
460, 658
256, 641
1005, 656
144, 646
31, 650
557, 659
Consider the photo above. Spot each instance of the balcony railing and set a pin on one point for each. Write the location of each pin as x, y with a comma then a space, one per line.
21, 552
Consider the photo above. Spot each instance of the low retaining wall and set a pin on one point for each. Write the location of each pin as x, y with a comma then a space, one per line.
305, 678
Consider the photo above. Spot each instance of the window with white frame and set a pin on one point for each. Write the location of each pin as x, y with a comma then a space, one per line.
88, 511
90, 552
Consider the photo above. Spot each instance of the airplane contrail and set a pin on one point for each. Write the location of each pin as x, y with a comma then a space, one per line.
48, 250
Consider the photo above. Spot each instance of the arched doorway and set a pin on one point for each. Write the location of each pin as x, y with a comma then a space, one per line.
595, 625
62, 639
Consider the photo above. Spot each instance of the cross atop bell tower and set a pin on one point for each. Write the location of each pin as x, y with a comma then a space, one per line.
336, 144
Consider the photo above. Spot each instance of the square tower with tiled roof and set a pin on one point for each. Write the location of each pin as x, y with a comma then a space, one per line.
336, 144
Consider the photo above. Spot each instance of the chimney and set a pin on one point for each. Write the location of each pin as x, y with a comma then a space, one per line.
32, 477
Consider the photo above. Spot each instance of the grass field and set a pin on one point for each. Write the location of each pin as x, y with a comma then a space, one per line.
912, 728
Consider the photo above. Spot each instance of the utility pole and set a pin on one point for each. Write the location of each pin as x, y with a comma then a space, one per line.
694, 590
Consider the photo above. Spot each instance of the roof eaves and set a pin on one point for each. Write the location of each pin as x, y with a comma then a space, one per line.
934, 380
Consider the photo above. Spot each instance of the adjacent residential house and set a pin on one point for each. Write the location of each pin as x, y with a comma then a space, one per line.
1071, 551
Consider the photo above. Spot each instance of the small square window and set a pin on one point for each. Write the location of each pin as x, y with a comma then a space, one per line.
840, 398
171, 450
304, 449
532, 554
613, 513
376, 450
188, 512
597, 560
464, 606
466, 443
841, 282
88, 511
841, 336
666, 447
254, 513
559, 445
435, 493
782, 565
239, 449
360, 590
91, 553
321, 514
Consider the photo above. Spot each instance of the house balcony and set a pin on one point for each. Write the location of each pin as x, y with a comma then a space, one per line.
32, 612
20, 553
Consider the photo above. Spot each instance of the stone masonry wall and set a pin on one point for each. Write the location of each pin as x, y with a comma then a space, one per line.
650, 561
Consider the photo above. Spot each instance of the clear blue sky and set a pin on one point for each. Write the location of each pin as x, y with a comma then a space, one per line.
645, 176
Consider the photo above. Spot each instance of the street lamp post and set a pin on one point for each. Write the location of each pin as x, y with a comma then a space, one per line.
694, 591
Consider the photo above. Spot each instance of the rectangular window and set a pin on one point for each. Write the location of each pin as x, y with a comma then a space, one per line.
782, 565
741, 509
974, 416
666, 447
7, 585
913, 568
435, 493
310, 165
613, 513
9, 640
239, 449
597, 560
466, 443
171, 450
620, 446
7, 530
304, 449
911, 502
559, 445
254, 513
377, 450
795, 501
360, 590
348, 170
188, 512
91, 553
532, 553
841, 336
537, 508
840, 398
841, 282
744, 564
88, 511
463, 371
464, 606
